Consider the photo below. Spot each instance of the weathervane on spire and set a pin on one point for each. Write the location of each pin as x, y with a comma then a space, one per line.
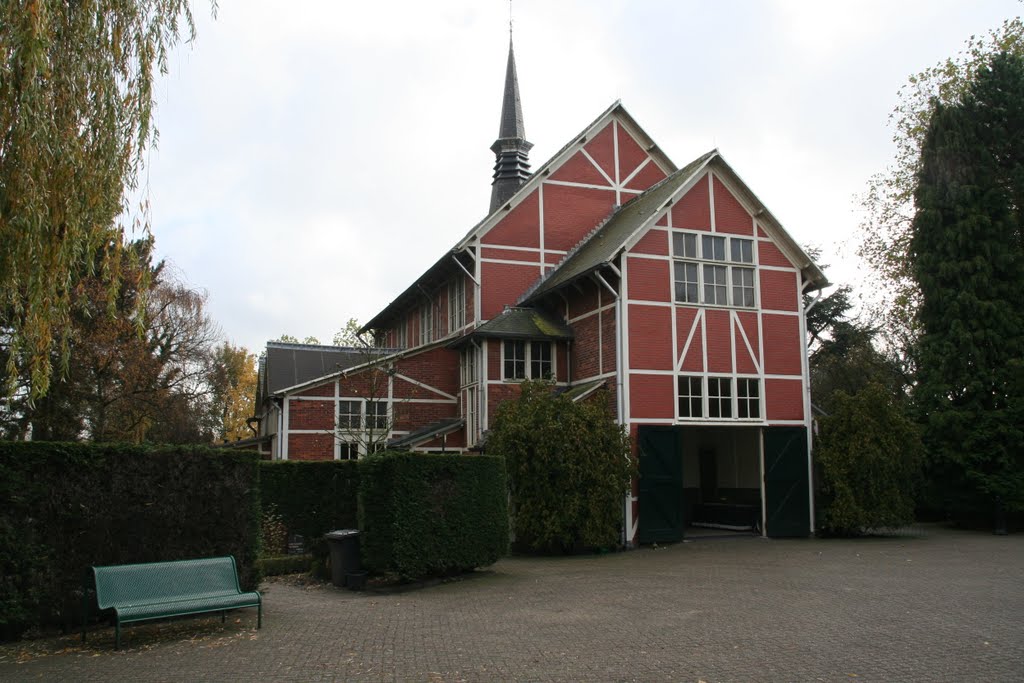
510, 19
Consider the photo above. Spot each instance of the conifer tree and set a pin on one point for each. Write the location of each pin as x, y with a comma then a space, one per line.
968, 262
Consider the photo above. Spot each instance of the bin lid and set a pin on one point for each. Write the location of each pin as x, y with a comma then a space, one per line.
339, 534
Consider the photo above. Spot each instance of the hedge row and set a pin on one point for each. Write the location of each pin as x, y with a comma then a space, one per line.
67, 506
431, 515
310, 499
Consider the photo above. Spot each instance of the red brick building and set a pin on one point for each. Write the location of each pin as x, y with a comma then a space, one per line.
609, 268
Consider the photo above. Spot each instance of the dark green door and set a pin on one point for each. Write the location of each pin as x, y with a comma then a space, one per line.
786, 489
661, 485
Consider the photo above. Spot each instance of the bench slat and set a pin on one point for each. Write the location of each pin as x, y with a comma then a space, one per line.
183, 607
154, 590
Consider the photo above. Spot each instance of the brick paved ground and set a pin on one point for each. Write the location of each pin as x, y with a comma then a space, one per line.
948, 606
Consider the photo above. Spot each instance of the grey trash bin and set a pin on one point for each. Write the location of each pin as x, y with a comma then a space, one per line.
344, 547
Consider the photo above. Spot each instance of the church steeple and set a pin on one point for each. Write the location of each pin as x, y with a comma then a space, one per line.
511, 150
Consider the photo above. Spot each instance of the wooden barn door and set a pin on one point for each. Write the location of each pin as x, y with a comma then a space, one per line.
786, 485
661, 485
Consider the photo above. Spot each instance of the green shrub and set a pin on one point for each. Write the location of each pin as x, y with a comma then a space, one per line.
568, 469
431, 515
310, 498
67, 506
868, 462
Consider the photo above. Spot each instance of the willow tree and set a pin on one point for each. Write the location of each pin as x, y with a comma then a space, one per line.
76, 109
885, 233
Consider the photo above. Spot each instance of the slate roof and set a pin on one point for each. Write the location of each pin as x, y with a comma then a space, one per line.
520, 323
286, 365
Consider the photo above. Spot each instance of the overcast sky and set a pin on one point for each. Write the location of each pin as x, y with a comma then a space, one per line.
316, 156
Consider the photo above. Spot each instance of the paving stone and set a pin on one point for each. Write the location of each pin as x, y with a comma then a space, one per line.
941, 605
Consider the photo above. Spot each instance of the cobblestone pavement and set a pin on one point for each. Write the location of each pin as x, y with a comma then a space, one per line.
942, 606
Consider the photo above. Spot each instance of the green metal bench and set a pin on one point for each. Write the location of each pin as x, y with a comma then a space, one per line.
138, 592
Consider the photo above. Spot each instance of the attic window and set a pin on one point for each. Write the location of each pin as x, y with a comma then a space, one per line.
715, 270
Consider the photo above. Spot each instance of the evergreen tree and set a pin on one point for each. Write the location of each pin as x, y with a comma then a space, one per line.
968, 262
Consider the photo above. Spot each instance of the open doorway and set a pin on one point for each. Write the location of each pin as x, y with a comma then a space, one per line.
722, 493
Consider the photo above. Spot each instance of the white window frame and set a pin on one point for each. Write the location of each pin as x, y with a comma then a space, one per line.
361, 423
527, 359
710, 398
348, 450
691, 399
719, 402
401, 338
456, 304
745, 402
357, 415
426, 323
726, 273
468, 366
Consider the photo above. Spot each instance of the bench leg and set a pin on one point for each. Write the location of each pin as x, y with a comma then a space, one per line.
223, 616
259, 615
117, 634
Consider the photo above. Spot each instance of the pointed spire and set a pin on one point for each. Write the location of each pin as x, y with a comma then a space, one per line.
511, 165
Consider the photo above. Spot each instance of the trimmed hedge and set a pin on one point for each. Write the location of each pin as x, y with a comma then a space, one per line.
432, 515
311, 498
569, 468
67, 506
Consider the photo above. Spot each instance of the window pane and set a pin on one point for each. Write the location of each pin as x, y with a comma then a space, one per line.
741, 250
713, 248
377, 414
540, 360
690, 396
748, 404
719, 397
348, 414
686, 281
715, 289
743, 287
515, 360
684, 245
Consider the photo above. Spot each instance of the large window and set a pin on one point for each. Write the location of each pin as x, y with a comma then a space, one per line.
691, 397
376, 415
456, 304
400, 339
527, 360
350, 414
719, 398
348, 450
748, 398
469, 366
426, 323
726, 281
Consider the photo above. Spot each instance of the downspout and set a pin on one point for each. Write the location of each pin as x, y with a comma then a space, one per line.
279, 407
808, 416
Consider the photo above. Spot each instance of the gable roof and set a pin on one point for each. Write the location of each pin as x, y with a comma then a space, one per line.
603, 244
627, 223
444, 265
289, 364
